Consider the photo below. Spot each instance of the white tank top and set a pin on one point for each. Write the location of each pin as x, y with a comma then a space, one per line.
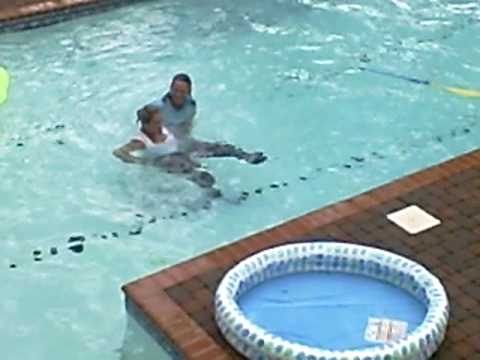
152, 150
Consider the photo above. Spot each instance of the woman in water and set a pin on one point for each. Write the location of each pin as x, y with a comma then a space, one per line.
160, 149
179, 109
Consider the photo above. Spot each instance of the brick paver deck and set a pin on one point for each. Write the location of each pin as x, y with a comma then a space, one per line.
178, 300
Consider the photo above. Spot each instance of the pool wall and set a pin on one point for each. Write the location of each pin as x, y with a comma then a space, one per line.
142, 341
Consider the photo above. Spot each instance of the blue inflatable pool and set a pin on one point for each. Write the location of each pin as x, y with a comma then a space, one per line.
328, 301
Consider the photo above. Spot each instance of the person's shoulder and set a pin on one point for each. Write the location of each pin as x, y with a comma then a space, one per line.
165, 99
160, 103
139, 139
191, 106
168, 133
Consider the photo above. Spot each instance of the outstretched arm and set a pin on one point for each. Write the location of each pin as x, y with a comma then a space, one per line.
124, 152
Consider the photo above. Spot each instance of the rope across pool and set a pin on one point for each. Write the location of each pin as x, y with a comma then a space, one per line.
256, 342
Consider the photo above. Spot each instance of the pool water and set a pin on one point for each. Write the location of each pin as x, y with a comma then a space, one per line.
279, 76
328, 310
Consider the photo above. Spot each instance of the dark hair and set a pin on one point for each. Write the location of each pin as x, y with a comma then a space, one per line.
145, 114
182, 77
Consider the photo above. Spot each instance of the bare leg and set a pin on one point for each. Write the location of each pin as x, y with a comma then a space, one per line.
181, 164
176, 163
216, 149
206, 181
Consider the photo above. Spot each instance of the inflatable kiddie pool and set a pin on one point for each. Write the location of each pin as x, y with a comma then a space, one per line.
331, 301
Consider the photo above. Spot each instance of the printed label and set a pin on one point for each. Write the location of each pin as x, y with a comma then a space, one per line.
385, 330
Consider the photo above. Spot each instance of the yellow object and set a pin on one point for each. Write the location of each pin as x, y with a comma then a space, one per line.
4, 82
458, 91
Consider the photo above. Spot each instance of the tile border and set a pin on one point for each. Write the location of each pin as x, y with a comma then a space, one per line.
147, 325
180, 335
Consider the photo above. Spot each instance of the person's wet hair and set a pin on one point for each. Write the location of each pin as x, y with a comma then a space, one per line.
145, 114
182, 77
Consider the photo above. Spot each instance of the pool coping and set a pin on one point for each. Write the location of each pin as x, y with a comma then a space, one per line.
152, 294
49, 12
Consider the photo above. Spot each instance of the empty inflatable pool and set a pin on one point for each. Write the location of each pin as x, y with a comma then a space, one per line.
331, 301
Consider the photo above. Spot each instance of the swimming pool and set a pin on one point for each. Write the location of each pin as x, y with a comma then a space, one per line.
279, 76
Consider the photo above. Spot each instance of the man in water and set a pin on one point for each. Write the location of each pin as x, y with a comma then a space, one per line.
179, 109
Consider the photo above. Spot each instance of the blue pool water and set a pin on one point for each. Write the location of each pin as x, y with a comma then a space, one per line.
328, 310
279, 76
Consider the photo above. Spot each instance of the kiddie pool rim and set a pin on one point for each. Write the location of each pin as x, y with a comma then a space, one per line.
256, 343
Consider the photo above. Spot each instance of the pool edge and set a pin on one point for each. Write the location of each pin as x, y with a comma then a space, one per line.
45, 13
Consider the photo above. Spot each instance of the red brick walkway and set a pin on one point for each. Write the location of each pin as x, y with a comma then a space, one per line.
178, 300
15, 9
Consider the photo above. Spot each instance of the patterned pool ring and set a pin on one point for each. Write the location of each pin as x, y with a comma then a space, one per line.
257, 344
